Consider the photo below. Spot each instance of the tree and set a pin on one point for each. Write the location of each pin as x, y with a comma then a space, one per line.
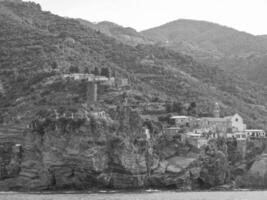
74, 69
63, 34
96, 71
177, 107
86, 70
192, 109
105, 72
234, 156
214, 164
54, 65
168, 107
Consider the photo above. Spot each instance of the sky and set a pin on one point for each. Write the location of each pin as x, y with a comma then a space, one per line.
244, 15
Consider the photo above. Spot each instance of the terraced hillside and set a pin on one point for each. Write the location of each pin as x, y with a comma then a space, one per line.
36, 46
216, 45
126, 35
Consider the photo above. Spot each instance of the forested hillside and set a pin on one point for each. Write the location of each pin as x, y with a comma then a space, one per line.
126, 35
216, 45
36, 44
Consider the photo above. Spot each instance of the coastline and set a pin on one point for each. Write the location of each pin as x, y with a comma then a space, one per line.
137, 191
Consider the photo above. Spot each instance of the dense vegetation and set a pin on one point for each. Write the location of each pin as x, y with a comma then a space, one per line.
36, 45
216, 45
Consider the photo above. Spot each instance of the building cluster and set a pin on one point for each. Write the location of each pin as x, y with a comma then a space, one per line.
200, 130
94, 81
87, 77
112, 81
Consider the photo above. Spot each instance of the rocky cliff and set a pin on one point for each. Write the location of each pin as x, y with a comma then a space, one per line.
110, 152
254, 174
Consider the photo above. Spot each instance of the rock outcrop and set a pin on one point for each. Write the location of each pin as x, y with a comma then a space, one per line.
255, 173
113, 153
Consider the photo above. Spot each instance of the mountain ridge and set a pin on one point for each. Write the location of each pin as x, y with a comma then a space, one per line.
126, 35
215, 45
210, 43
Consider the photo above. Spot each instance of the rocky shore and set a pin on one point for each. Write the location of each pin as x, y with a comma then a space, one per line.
113, 153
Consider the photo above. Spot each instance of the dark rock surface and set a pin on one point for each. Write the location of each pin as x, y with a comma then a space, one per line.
114, 153
98, 153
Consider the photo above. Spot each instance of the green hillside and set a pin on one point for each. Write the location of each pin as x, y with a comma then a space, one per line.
37, 45
125, 35
215, 45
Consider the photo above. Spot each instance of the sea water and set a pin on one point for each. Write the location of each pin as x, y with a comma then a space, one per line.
144, 195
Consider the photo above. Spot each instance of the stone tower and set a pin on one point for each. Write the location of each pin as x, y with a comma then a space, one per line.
216, 111
91, 92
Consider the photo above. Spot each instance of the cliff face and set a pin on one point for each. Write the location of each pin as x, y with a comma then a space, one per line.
256, 177
69, 154
109, 152
66, 153
113, 151
255, 174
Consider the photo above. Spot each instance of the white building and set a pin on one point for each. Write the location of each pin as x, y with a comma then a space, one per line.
88, 77
236, 123
255, 133
180, 120
196, 140
78, 76
238, 135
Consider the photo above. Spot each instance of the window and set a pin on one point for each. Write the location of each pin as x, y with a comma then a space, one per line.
236, 119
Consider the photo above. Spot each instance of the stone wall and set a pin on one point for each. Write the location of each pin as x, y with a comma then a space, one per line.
10, 160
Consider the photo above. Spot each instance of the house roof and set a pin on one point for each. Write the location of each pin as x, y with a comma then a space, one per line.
220, 119
174, 128
215, 119
231, 116
179, 117
193, 134
254, 130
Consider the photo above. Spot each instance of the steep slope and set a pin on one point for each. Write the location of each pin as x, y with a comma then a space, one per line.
43, 43
215, 45
126, 35
263, 36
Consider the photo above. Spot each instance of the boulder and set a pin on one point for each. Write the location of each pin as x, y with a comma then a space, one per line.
177, 164
256, 177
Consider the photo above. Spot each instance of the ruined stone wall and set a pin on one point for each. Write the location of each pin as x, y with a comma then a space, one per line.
91, 92
10, 160
242, 147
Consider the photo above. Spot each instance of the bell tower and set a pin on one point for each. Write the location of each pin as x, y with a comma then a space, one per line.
216, 110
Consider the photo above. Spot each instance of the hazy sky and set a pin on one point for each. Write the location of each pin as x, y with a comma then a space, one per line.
244, 15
